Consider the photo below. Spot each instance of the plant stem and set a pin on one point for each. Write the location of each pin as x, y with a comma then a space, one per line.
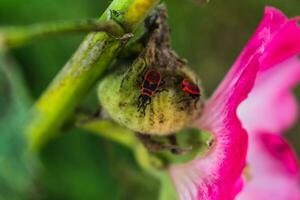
80, 73
17, 36
149, 163
119, 134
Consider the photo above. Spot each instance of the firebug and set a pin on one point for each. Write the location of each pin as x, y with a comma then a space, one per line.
150, 85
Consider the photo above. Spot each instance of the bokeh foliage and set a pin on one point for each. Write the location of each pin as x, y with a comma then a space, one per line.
79, 165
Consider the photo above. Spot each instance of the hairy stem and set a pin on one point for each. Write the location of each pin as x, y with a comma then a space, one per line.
72, 83
16, 36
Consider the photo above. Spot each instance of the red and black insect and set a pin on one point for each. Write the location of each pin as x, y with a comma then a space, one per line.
192, 89
150, 85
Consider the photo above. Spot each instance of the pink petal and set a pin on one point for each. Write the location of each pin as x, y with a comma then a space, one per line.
217, 174
273, 167
280, 71
272, 108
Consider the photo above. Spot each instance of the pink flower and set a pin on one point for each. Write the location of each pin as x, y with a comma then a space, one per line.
265, 70
268, 112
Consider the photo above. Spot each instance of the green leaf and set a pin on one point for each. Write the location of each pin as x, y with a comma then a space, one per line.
15, 176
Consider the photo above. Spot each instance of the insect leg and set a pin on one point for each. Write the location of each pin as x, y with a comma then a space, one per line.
185, 99
162, 83
145, 104
196, 101
140, 103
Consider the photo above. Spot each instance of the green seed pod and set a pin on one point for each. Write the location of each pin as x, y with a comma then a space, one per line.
158, 94
151, 100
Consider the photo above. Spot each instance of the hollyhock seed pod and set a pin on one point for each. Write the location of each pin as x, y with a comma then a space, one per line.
151, 100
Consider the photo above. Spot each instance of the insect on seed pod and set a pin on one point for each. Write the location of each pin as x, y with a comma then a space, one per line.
158, 94
152, 100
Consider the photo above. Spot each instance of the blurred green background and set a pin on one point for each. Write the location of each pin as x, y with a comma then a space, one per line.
81, 166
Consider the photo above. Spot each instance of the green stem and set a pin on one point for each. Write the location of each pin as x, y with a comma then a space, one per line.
167, 189
80, 73
107, 129
119, 134
149, 163
17, 36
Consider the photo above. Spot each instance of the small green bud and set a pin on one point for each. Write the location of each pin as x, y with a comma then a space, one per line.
152, 100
